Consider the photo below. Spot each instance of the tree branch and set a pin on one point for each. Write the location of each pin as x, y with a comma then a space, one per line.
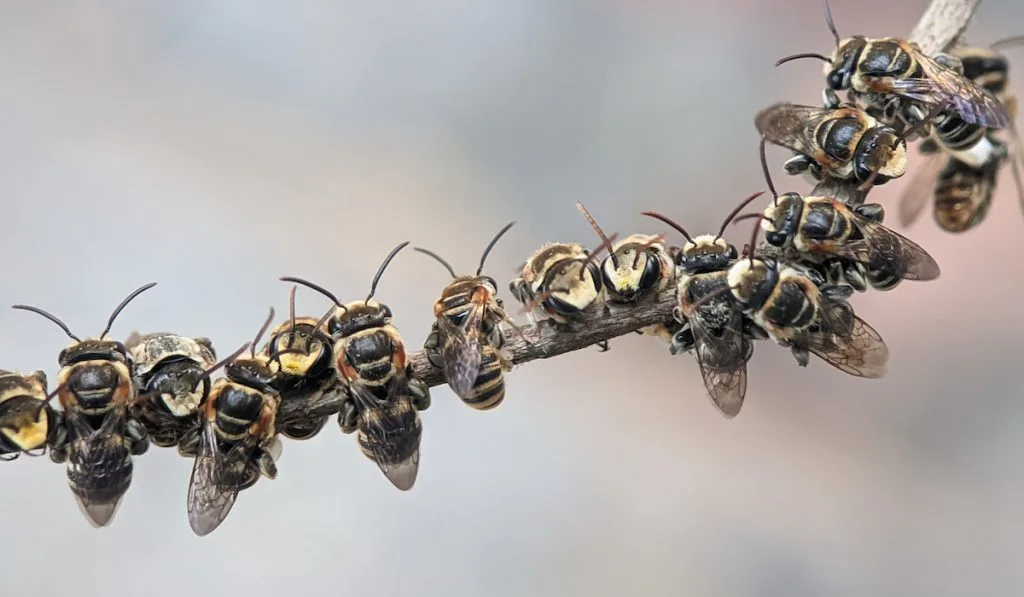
942, 23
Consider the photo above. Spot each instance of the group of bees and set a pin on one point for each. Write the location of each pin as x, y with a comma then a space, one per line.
117, 397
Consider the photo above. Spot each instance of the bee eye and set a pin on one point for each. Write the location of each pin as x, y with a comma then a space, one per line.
652, 273
559, 306
835, 79
458, 318
386, 310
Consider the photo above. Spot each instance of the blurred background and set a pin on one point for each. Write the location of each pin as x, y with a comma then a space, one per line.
215, 146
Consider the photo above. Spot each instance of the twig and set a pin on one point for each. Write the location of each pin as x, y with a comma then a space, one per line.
941, 25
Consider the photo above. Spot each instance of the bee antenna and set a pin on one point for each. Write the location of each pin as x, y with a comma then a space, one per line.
438, 258
316, 327
494, 241
228, 359
801, 55
670, 222
605, 244
313, 286
640, 250
49, 316
380, 270
124, 303
733, 213
263, 329
597, 229
767, 174
831, 23
1008, 42
291, 315
753, 236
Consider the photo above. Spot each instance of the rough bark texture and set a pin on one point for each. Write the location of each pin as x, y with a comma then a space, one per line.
941, 25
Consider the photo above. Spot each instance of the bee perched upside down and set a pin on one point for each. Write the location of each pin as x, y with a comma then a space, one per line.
894, 77
713, 326
27, 421
169, 375
95, 390
383, 397
303, 351
559, 281
466, 339
798, 310
822, 231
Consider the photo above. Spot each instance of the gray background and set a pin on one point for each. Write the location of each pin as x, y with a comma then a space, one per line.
214, 146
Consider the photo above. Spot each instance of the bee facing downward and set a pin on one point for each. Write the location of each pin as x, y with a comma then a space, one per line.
560, 281
383, 398
169, 371
237, 442
304, 352
95, 390
27, 421
893, 75
466, 338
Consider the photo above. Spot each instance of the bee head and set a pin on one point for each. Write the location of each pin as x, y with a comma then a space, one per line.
633, 268
751, 282
301, 349
24, 423
842, 66
571, 286
93, 350
782, 218
706, 253
357, 316
253, 372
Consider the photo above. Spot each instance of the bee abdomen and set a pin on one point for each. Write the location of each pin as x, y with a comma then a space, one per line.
956, 134
489, 388
789, 307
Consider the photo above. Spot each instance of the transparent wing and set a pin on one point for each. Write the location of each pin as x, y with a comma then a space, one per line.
722, 354
209, 498
861, 353
942, 86
885, 250
461, 349
790, 125
392, 437
921, 189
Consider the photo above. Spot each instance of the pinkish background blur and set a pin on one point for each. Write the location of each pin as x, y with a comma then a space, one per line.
214, 146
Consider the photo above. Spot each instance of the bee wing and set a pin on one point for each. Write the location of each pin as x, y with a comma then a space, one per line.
861, 352
385, 431
209, 499
461, 350
790, 125
921, 188
722, 358
882, 248
101, 455
942, 86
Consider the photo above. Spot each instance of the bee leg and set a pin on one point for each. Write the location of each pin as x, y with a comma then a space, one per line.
137, 436
801, 354
837, 292
677, 314
815, 276
505, 358
603, 346
420, 394
854, 276
59, 454
266, 464
797, 164
830, 99
753, 331
682, 341
9, 456
188, 446
872, 211
348, 418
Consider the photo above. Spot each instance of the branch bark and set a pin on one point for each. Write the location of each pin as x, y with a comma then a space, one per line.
940, 26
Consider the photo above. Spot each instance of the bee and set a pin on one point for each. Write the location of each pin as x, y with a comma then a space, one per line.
95, 390
303, 351
559, 281
237, 442
835, 141
893, 74
27, 421
826, 229
964, 160
383, 397
466, 339
168, 371
713, 326
797, 309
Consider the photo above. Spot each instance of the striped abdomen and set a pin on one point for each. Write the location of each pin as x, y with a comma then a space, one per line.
489, 388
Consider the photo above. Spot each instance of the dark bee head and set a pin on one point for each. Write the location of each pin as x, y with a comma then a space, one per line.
179, 385
842, 66
781, 219
90, 349
25, 423
255, 373
881, 149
